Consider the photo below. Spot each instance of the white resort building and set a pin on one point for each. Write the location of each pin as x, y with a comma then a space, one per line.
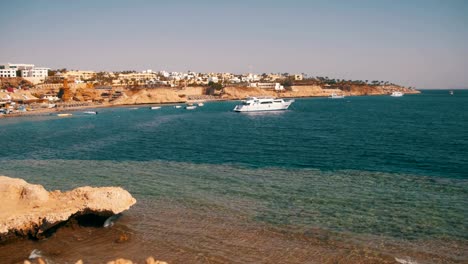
272, 86
7, 72
27, 71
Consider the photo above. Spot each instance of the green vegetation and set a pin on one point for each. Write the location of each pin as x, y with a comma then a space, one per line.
319, 80
287, 83
214, 88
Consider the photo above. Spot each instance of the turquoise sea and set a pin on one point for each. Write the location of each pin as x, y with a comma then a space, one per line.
370, 179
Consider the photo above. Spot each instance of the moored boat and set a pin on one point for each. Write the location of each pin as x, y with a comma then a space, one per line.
190, 107
64, 115
336, 96
252, 104
90, 112
155, 107
397, 94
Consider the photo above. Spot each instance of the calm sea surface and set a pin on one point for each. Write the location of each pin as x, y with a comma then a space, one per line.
360, 179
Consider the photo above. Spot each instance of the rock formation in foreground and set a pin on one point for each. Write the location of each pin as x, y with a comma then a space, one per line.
149, 260
29, 210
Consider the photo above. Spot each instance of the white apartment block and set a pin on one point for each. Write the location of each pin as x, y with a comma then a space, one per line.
26, 70
7, 73
213, 79
35, 72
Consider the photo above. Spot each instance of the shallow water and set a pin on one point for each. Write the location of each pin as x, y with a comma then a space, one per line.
364, 179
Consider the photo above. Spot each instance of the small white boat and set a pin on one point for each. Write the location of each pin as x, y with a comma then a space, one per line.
90, 112
190, 107
451, 92
155, 107
201, 104
177, 106
252, 104
63, 115
397, 94
336, 96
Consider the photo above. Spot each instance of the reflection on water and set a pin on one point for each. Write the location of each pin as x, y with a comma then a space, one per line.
264, 113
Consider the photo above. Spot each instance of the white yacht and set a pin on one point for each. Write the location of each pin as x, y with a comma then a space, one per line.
251, 104
397, 94
336, 96
155, 107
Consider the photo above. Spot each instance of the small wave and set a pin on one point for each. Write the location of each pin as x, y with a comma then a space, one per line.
111, 220
36, 253
404, 261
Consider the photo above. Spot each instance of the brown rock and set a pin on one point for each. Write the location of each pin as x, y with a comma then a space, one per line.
19, 190
151, 260
28, 209
122, 238
120, 261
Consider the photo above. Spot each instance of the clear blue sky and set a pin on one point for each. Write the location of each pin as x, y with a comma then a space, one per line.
422, 43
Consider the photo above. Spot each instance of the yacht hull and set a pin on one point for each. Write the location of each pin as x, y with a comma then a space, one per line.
259, 105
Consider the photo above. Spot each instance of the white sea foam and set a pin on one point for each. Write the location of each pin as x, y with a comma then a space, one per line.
110, 221
36, 253
405, 261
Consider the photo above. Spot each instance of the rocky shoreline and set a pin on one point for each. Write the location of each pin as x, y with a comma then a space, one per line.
28, 210
149, 260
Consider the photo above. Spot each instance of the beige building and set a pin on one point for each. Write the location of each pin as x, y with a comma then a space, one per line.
273, 77
79, 75
272, 86
138, 77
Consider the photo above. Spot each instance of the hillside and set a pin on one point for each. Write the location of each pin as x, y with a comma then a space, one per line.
161, 95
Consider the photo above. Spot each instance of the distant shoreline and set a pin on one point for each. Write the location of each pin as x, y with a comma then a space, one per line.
52, 111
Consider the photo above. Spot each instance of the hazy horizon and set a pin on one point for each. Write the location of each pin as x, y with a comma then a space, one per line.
412, 43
